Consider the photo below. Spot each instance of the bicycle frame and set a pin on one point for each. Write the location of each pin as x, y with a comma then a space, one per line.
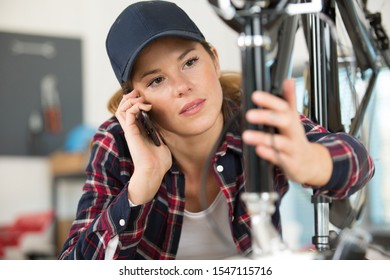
252, 19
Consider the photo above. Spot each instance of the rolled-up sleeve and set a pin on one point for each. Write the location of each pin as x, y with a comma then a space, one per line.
353, 167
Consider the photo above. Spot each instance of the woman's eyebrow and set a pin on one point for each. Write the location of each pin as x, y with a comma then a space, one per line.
184, 53
150, 72
154, 71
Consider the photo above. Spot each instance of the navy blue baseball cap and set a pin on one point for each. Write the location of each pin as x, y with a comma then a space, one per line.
141, 23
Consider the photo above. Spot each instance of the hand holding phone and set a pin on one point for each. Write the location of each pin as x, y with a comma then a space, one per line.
147, 124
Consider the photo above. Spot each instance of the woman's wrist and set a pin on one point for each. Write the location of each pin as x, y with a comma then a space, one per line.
320, 165
142, 187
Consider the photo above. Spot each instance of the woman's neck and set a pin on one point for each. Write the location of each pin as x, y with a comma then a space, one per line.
191, 153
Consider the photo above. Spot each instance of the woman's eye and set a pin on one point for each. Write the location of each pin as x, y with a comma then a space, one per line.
155, 81
191, 61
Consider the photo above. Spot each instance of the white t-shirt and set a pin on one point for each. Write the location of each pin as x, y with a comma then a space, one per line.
205, 235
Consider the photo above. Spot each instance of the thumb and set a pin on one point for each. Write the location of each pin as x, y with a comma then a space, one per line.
289, 95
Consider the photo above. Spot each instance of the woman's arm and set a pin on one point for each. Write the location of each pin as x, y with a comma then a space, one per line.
352, 168
103, 210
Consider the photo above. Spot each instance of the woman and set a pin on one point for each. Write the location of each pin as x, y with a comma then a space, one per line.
143, 201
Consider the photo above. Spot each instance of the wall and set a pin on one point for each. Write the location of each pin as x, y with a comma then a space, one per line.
89, 20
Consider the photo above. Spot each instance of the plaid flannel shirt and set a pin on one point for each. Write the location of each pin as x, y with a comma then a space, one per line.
152, 230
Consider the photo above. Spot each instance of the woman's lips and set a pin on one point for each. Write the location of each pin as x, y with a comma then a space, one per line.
192, 107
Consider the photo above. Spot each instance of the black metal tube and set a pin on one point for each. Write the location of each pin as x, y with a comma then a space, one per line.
282, 65
256, 76
323, 89
318, 74
365, 53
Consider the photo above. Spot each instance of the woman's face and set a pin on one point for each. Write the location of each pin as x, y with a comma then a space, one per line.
181, 81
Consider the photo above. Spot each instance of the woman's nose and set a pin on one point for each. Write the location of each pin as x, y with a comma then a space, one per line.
181, 85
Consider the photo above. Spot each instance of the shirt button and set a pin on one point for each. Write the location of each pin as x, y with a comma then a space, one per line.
219, 168
122, 222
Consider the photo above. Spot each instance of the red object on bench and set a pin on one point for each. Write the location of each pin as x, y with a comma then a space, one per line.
10, 235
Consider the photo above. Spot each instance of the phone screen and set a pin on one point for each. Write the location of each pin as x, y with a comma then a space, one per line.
147, 124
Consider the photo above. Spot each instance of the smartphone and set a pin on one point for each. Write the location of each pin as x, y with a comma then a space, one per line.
147, 124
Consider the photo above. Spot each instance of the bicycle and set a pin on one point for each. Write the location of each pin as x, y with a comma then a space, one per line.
266, 26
